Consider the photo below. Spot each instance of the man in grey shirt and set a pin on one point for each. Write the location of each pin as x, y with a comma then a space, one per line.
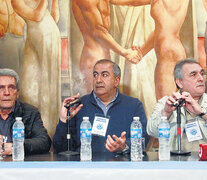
189, 79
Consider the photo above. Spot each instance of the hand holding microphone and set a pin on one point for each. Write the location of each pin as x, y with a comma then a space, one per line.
191, 104
179, 102
76, 102
171, 104
72, 104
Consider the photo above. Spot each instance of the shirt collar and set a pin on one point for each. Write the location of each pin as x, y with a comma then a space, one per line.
99, 100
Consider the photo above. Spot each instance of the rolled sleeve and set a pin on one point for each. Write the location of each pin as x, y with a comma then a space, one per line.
154, 120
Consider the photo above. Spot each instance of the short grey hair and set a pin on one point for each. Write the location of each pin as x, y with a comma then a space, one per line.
178, 70
116, 68
12, 73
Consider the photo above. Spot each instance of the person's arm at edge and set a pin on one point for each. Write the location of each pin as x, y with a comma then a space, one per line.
60, 136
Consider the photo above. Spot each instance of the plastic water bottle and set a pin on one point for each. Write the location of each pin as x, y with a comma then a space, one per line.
164, 139
85, 138
136, 140
18, 140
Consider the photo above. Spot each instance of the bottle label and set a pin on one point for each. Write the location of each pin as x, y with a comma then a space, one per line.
85, 133
164, 132
136, 133
18, 133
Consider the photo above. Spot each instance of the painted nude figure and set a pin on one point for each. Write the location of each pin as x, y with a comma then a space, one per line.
93, 19
169, 17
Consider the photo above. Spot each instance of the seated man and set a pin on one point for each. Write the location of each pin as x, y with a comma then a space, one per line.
104, 101
189, 78
36, 137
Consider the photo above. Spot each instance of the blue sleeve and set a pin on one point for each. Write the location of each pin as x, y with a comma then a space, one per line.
143, 120
139, 111
60, 138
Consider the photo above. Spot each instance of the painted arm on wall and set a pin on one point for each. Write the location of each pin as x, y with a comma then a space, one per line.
55, 13
79, 18
99, 31
2, 30
28, 13
2, 20
130, 2
205, 4
148, 45
150, 41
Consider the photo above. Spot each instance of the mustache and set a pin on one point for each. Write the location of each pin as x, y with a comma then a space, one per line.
99, 85
201, 84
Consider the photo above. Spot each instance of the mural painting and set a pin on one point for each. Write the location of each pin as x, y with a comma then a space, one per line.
11, 36
47, 42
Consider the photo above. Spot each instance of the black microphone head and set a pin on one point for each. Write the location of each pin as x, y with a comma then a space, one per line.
179, 102
76, 102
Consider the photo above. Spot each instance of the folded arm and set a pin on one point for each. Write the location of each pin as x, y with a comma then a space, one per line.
27, 12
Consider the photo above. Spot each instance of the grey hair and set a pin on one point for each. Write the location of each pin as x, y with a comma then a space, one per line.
116, 68
178, 70
12, 73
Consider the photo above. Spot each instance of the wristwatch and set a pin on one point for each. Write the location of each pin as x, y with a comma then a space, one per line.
203, 111
125, 150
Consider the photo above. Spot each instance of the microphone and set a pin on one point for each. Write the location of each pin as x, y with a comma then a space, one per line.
76, 102
179, 102
178, 105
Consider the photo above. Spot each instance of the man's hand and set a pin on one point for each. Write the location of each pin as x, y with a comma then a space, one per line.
133, 56
169, 108
73, 110
7, 149
191, 104
138, 49
116, 144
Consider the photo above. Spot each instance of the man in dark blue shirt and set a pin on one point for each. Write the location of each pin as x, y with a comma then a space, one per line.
105, 101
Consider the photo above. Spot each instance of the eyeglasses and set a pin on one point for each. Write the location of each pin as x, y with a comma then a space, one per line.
11, 88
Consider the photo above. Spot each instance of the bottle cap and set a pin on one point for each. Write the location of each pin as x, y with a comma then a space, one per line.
163, 118
18, 118
85, 118
136, 118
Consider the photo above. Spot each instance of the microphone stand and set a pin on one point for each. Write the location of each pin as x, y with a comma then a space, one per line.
68, 152
179, 151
